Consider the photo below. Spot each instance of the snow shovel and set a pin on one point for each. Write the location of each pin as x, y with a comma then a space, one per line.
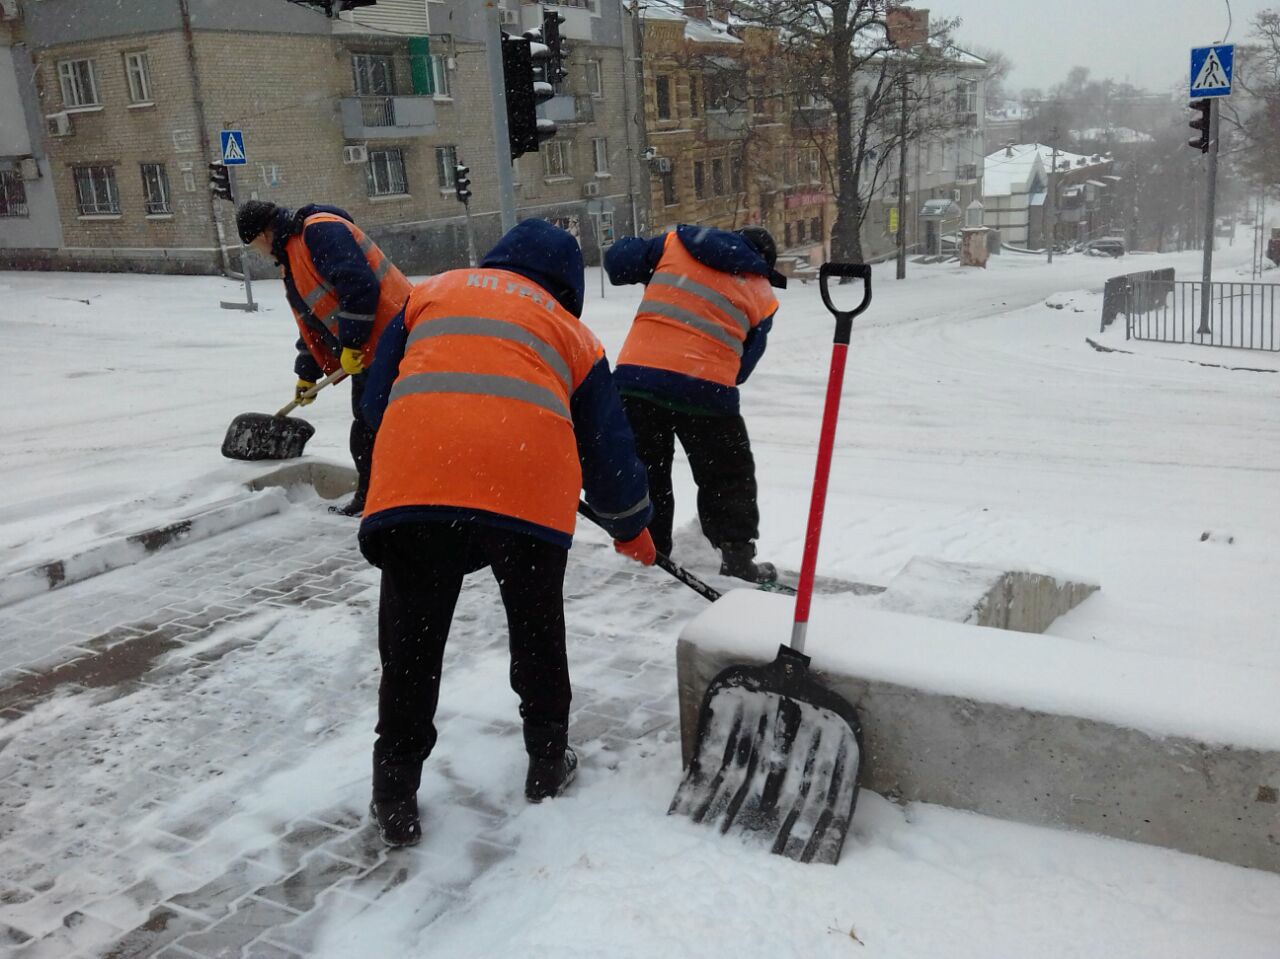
663, 562
261, 436
776, 756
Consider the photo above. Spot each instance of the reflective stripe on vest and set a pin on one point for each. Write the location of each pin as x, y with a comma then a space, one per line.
332, 317
479, 384
700, 323
718, 300
498, 329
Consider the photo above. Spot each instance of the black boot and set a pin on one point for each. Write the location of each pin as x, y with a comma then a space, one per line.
549, 778
737, 559
397, 821
352, 508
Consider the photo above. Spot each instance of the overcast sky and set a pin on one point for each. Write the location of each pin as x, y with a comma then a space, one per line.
1148, 41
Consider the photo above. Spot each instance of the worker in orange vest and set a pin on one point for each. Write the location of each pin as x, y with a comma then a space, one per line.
699, 332
495, 407
343, 292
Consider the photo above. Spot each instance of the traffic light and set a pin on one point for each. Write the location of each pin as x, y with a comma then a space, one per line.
461, 182
557, 50
1201, 123
220, 181
525, 91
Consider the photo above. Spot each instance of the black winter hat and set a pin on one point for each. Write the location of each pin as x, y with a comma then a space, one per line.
253, 217
762, 240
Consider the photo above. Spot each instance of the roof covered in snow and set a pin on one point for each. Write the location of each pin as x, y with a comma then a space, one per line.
1013, 169
695, 30
1111, 135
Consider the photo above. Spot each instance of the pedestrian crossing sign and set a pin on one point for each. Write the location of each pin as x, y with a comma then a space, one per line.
233, 148
1211, 70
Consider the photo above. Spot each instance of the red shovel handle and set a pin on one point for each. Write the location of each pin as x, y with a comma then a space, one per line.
827, 438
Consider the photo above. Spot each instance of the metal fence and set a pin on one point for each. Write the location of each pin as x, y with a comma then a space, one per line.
1241, 315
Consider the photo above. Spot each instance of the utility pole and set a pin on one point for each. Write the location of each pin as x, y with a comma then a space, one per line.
1206, 289
1050, 200
498, 104
902, 180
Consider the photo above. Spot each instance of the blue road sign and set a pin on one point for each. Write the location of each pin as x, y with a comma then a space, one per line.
1211, 70
233, 148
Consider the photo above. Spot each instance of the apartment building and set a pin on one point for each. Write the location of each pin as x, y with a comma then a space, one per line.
369, 112
729, 143
28, 207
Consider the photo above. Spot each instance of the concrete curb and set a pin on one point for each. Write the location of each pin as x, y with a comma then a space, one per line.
269, 493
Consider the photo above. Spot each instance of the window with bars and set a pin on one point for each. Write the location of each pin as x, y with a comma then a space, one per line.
446, 164
557, 158
137, 69
96, 191
373, 74
385, 172
13, 194
600, 153
155, 189
79, 84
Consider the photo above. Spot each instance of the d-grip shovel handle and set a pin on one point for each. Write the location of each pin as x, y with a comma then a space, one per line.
844, 318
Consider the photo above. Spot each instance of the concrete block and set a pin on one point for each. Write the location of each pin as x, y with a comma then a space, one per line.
1172, 753
1020, 600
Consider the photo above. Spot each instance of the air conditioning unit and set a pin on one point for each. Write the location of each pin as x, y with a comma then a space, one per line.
60, 125
591, 189
662, 164
355, 154
28, 168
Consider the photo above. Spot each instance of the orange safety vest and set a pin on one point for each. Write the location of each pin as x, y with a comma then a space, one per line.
322, 300
694, 319
479, 416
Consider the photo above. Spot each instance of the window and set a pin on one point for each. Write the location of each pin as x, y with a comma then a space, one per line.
557, 158
600, 149
663, 88
96, 193
79, 87
604, 228
669, 188
699, 180
155, 189
13, 194
694, 105
758, 96
967, 96
137, 70
385, 173
799, 231
373, 73
717, 177
440, 75
446, 163
735, 174
815, 228
786, 233
595, 84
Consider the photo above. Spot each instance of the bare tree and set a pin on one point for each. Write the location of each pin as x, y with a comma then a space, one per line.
1258, 120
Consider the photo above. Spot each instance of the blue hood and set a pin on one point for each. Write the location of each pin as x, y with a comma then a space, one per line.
725, 251
288, 223
545, 254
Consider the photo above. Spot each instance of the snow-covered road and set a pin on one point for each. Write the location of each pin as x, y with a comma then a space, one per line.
978, 425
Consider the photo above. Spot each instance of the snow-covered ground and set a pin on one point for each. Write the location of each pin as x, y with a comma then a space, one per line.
978, 425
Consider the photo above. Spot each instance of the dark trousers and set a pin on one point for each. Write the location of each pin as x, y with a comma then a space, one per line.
361, 438
719, 452
423, 565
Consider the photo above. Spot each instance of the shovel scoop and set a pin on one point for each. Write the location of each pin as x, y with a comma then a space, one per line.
267, 436
777, 754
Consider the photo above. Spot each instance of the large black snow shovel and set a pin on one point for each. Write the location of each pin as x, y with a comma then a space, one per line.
777, 754
262, 436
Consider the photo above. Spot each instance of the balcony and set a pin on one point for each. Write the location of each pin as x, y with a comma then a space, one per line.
370, 118
810, 120
724, 125
967, 173
566, 108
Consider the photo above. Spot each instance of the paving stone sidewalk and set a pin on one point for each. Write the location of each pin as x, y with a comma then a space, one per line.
142, 712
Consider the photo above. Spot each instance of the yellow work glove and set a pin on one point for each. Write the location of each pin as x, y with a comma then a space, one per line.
352, 360
300, 389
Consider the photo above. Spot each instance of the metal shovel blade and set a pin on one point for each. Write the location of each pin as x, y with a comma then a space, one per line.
776, 760
263, 436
